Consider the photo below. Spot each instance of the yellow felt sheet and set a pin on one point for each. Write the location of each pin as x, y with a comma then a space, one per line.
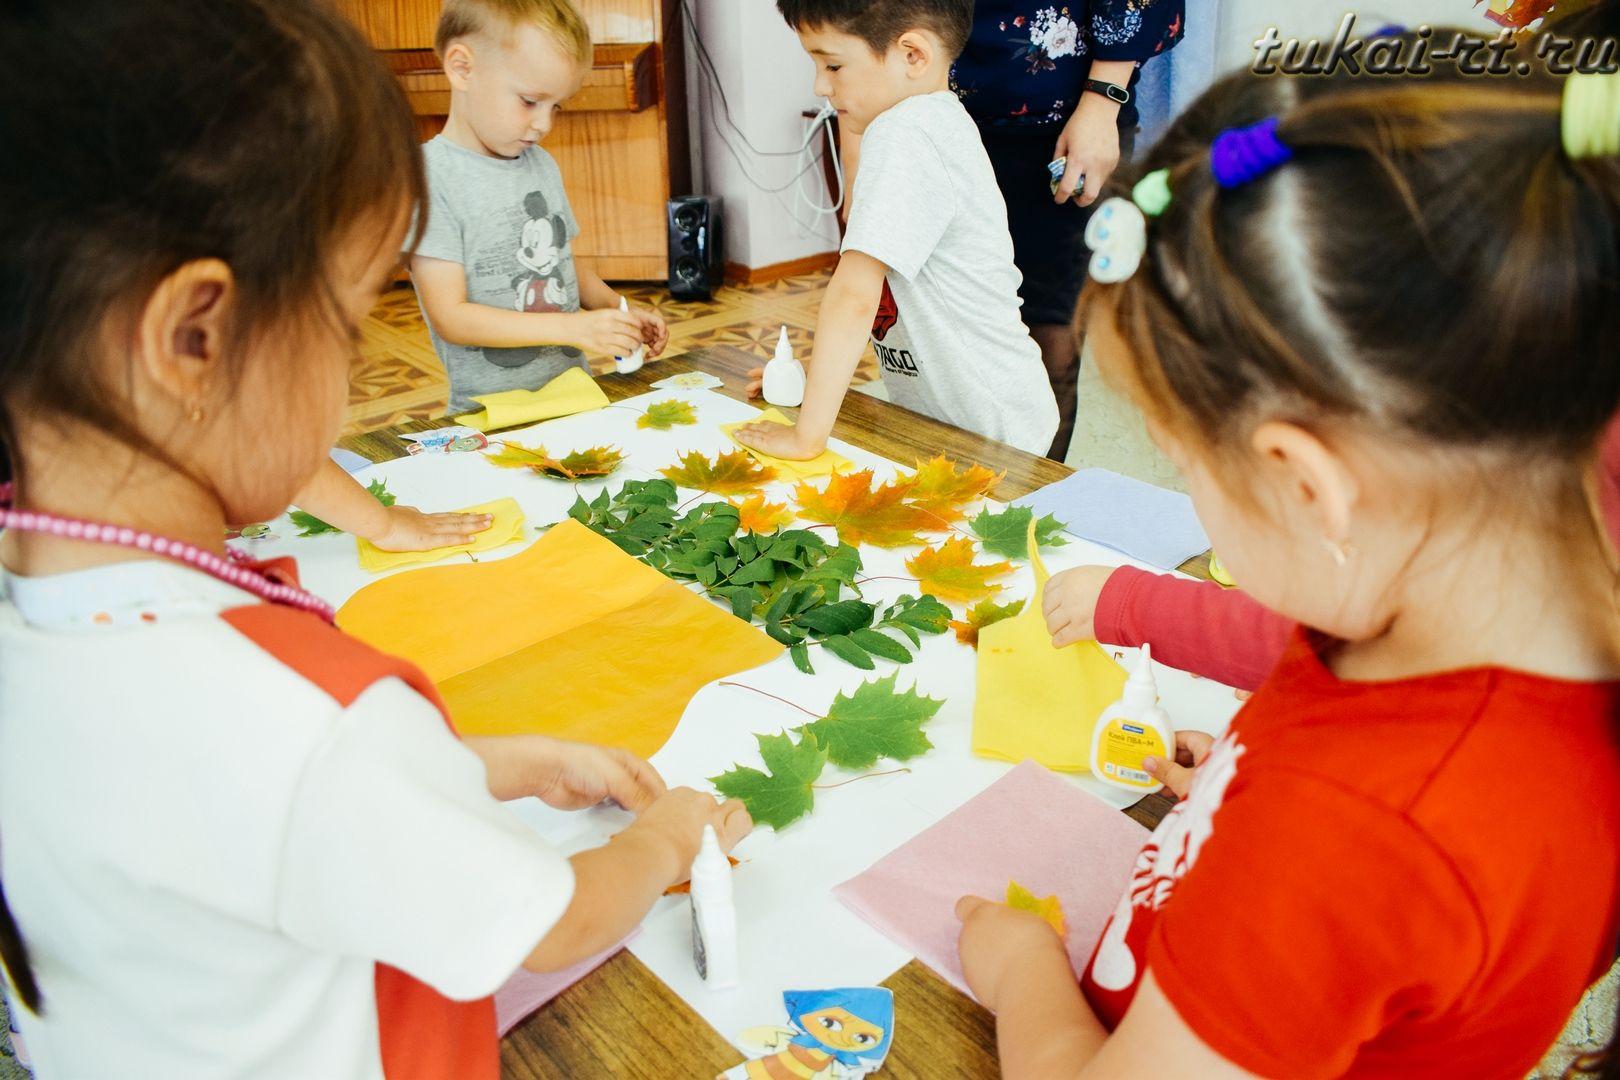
571, 638
507, 527
824, 464
1035, 701
574, 391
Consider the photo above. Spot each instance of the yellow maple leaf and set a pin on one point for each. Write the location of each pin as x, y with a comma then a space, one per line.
663, 415
949, 572
1047, 907
579, 465
732, 473
863, 514
754, 514
940, 487
981, 615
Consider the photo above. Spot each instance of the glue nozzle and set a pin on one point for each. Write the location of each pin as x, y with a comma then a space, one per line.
1140, 689
784, 348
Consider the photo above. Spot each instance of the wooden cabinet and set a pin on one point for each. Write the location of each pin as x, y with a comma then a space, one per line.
621, 142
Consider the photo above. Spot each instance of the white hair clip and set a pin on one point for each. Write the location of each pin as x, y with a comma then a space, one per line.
1117, 237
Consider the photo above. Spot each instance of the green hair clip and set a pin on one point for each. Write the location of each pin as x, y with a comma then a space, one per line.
1152, 192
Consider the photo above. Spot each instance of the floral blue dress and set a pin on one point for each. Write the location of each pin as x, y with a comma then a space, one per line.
1026, 65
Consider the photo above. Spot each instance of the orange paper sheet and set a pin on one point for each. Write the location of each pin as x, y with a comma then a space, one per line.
1035, 701
823, 464
571, 638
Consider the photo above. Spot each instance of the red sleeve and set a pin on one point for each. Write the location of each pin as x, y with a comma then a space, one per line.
1285, 948
1197, 626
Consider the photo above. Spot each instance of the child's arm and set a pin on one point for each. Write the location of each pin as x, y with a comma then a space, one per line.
615, 885
1197, 626
442, 286
338, 499
596, 294
1019, 969
842, 329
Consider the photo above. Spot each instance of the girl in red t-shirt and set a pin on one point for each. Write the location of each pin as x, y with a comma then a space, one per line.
1359, 306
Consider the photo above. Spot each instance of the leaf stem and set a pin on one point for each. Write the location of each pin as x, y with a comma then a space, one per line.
767, 693
888, 577
863, 776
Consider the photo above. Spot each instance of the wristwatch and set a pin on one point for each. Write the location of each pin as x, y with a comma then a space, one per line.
1112, 91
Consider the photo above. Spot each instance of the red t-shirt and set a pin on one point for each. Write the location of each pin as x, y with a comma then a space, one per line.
1414, 878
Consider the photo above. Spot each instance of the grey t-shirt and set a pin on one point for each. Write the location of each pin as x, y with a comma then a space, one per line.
948, 334
509, 225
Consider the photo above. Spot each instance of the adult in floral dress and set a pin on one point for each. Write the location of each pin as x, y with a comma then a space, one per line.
1035, 79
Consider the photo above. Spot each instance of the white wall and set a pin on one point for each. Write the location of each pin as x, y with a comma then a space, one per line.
1244, 21
767, 79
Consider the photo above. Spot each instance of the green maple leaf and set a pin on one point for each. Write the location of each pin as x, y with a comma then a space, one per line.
1007, 533
314, 526
784, 795
876, 721
663, 415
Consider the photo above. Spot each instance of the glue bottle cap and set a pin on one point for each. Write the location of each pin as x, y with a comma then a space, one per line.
784, 348
1141, 691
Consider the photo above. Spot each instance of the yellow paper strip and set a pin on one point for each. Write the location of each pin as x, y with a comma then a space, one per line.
574, 391
824, 464
506, 528
572, 638
1035, 701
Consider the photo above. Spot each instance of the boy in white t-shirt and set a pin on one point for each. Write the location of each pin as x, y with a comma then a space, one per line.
927, 263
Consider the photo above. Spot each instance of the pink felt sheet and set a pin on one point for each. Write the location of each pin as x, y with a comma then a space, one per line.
1031, 826
527, 991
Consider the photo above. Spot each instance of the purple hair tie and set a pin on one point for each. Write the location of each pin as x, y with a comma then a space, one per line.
1240, 155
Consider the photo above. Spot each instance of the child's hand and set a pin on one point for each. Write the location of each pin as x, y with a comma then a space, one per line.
756, 382
409, 529
607, 332
654, 332
1070, 604
575, 775
677, 818
996, 943
780, 440
1192, 747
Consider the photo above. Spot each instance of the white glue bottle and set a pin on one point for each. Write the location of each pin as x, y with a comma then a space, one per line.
784, 376
714, 915
1132, 728
624, 365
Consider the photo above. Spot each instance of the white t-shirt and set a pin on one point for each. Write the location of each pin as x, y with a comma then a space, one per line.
948, 335
206, 854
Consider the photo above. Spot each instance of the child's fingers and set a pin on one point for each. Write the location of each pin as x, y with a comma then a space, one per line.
1195, 744
735, 823
1175, 777
633, 783
967, 905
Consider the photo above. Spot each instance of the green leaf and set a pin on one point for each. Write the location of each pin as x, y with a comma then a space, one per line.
848, 651
801, 658
839, 618
923, 613
784, 795
1007, 533
663, 415
310, 525
875, 722
879, 645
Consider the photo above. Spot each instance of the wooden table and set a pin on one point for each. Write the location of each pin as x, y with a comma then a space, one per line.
622, 1021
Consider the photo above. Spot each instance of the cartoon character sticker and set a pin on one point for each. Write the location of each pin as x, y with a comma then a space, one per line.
540, 286
834, 1035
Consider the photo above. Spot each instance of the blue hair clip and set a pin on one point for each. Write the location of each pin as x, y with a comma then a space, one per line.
1240, 155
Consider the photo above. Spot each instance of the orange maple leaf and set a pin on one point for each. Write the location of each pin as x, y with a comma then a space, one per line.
579, 465
754, 514
949, 572
938, 486
981, 615
881, 516
732, 473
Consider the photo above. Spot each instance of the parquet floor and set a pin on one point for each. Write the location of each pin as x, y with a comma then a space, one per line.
397, 377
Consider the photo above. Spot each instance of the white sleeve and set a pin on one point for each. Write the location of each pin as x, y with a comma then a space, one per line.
904, 199
396, 851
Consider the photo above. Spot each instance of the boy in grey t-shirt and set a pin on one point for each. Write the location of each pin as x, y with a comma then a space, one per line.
927, 262
506, 305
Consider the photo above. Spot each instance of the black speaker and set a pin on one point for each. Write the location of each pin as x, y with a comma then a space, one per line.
696, 253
